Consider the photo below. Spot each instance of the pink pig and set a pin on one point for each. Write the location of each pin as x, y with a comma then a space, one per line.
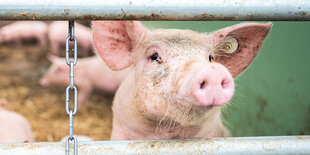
17, 31
58, 32
13, 126
180, 78
89, 73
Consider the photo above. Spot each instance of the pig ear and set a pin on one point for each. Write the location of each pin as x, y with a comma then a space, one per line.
5, 104
235, 47
114, 41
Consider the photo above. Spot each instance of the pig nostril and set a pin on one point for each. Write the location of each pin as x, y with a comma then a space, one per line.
202, 84
224, 83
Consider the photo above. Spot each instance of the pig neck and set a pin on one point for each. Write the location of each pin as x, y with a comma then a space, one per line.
129, 121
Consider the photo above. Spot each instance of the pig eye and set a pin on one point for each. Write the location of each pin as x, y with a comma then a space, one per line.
211, 58
155, 57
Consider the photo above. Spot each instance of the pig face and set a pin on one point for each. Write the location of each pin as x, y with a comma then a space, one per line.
180, 76
57, 74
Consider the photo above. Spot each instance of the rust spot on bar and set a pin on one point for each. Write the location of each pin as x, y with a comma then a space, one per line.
24, 13
66, 11
154, 14
303, 13
123, 12
179, 144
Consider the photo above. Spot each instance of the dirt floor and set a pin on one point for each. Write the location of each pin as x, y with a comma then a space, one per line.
20, 70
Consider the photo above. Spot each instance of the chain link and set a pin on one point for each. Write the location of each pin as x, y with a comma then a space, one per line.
68, 51
71, 87
68, 89
75, 145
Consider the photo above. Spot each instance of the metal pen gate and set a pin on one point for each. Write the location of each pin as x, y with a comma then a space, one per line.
225, 10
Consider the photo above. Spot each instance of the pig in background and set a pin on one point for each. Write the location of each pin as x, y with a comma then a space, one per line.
13, 127
24, 30
58, 33
180, 78
89, 73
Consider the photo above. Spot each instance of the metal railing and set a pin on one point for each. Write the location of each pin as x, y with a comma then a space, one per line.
240, 145
228, 10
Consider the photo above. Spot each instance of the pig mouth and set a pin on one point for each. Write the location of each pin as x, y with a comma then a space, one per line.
174, 111
185, 115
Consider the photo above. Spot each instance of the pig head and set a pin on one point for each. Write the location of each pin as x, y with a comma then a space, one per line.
57, 74
181, 78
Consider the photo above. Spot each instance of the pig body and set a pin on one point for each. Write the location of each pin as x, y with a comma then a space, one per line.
180, 78
89, 73
58, 33
14, 128
17, 31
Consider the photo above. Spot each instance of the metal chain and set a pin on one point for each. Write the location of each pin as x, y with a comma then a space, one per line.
71, 87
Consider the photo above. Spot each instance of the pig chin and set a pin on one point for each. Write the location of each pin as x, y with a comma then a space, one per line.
177, 114
189, 114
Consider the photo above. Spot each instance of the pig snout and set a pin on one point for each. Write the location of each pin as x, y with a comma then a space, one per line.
44, 82
213, 85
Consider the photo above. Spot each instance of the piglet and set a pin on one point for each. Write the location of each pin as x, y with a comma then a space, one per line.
180, 78
89, 73
14, 128
18, 31
58, 32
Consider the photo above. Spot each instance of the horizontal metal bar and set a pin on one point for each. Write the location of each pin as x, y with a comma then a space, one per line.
240, 145
228, 10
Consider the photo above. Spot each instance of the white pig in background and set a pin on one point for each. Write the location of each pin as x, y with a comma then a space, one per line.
180, 78
58, 33
89, 73
18, 31
14, 128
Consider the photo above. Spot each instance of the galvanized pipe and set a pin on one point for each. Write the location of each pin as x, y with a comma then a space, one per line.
241, 145
228, 10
